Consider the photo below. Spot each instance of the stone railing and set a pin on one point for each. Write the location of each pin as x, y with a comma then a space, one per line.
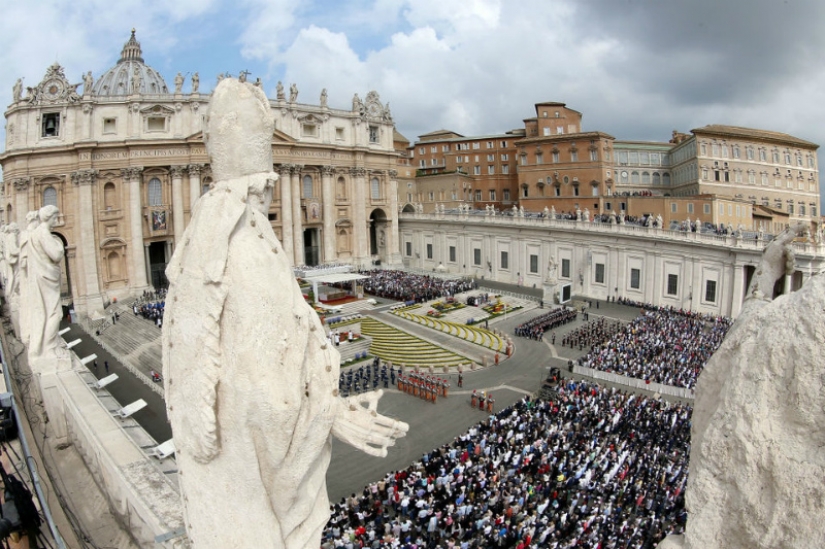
537, 221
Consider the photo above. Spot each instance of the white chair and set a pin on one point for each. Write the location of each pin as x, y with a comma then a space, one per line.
130, 409
104, 381
164, 450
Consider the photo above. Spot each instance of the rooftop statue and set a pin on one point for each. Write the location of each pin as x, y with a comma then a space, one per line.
757, 470
251, 381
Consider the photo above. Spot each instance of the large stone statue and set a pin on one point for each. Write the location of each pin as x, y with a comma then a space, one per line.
88, 83
324, 97
45, 255
196, 82
178, 83
279, 91
293, 93
22, 277
11, 252
251, 382
17, 90
757, 469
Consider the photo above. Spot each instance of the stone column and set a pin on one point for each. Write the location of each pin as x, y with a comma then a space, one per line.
194, 185
286, 207
147, 261
137, 280
393, 246
88, 129
297, 222
738, 292
328, 196
21, 200
85, 279
177, 202
359, 221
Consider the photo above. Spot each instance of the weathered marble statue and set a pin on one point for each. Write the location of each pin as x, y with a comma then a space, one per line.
196, 82
11, 252
757, 468
17, 90
45, 255
178, 83
22, 276
251, 382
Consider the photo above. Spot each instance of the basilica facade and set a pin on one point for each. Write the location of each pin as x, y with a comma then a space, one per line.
123, 158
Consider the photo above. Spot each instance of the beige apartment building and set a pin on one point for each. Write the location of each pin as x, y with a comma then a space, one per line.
124, 161
721, 175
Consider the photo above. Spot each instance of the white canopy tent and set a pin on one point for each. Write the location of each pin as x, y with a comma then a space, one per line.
332, 278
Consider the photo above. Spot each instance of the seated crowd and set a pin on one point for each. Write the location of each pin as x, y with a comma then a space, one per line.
592, 467
402, 286
535, 328
662, 345
592, 333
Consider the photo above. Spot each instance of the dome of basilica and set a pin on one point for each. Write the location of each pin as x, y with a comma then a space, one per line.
131, 75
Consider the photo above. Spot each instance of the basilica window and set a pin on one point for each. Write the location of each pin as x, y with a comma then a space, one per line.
373, 131
109, 125
155, 192
375, 188
49, 196
307, 190
309, 130
109, 196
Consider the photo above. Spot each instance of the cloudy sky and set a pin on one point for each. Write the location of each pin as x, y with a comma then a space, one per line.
636, 69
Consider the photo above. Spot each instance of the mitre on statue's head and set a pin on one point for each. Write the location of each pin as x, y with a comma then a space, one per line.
238, 132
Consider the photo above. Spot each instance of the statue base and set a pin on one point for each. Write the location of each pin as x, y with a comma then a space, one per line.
551, 295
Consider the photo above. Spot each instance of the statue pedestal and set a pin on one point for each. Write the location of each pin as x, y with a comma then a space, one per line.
551, 295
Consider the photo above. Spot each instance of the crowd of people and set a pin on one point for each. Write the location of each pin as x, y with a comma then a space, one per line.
410, 287
536, 327
591, 467
592, 333
366, 377
150, 310
662, 345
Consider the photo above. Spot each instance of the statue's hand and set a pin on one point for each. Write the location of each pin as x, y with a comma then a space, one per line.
363, 428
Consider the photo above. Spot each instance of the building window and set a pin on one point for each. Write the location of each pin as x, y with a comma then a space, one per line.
373, 134
51, 124
491, 170
156, 123
706, 209
49, 197
307, 190
710, 291
690, 208
505, 260
109, 125
574, 156
339, 135
565, 268
635, 278
109, 196
673, 207
476, 256
478, 195
408, 248
505, 195
476, 170
524, 191
375, 188
155, 192
556, 157
492, 195
309, 130
599, 273
431, 196
672, 284
505, 169
534, 264
539, 158
429, 251
452, 254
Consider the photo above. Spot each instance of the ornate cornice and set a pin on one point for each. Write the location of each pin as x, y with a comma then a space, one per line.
297, 168
177, 171
195, 169
84, 177
327, 170
358, 172
284, 169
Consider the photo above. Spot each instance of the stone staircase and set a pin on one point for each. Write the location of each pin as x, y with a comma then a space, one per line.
133, 339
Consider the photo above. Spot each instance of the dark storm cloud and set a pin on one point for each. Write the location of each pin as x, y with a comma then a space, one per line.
709, 51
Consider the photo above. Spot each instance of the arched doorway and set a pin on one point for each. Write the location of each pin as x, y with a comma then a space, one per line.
409, 208
379, 235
